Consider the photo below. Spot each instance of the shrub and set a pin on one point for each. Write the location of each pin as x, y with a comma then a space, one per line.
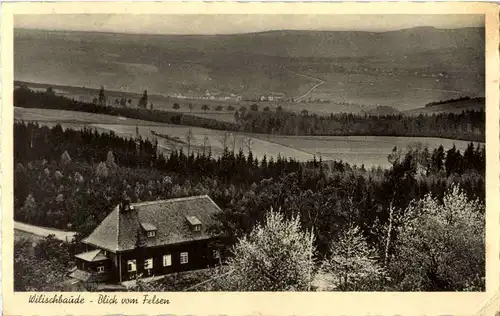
276, 256
352, 263
441, 245
102, 170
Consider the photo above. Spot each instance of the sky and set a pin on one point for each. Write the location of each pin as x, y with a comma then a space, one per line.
230, 24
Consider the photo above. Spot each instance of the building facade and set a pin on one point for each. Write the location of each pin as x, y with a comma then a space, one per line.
150, 239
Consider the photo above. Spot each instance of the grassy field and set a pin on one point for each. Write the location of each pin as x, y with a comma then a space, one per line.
61, 116
128, 128
358, 150
402, 92
367, 150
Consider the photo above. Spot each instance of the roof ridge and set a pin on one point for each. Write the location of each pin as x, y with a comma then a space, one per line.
187, 198
96, 253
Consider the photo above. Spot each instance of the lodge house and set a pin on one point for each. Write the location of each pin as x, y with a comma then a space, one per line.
150, 238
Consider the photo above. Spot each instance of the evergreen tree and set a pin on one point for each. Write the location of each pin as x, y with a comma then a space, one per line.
451, 161
102, 97
437, 158
469, 157
29, 208
143, 101
50, 91
110, 161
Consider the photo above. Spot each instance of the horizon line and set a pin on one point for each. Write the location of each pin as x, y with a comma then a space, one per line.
243, 33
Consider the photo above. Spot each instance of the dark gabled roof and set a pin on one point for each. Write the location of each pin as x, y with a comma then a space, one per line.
119, 230
92, 256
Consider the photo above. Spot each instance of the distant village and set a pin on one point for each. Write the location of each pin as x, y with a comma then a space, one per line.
219, 96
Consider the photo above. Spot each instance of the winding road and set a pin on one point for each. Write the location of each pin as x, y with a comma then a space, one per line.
320, 82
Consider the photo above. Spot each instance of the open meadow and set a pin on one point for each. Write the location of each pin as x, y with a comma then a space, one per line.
356, 150
125, 127
361, 150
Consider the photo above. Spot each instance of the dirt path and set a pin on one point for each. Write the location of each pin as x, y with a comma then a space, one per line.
320, 82
44, 231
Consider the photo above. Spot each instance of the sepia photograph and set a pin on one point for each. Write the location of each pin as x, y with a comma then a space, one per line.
249, 153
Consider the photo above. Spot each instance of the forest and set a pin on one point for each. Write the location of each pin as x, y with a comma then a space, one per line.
468, 125
71, 179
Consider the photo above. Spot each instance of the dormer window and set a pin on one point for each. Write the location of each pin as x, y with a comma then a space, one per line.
150, 229
194, 223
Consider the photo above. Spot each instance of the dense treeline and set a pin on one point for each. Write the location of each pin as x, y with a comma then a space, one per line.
466, 98
469, 125
84, 175
23, 97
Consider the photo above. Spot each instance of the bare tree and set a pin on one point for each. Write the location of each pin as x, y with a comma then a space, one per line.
206, 144
172, 146
233, 147
224, 138
189, 140
248, 143
242, 143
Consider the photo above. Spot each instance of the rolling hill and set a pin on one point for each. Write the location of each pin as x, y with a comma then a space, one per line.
259, 63
450, 106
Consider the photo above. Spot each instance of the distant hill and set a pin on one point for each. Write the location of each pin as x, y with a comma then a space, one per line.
255, 64
285, 43
451, 106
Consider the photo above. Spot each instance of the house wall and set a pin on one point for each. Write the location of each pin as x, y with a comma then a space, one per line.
200, 255
92, 268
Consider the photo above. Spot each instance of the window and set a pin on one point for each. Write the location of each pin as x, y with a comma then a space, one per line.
100, 269
216, 254
167, 260
184, 257
151, 233
131, 266
197, 228
148, 264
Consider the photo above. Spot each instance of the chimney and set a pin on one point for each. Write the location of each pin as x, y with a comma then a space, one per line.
125, 205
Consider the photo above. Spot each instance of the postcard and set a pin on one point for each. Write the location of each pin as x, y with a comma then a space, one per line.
241, 158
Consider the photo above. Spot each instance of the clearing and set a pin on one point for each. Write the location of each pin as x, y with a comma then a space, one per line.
356, 150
